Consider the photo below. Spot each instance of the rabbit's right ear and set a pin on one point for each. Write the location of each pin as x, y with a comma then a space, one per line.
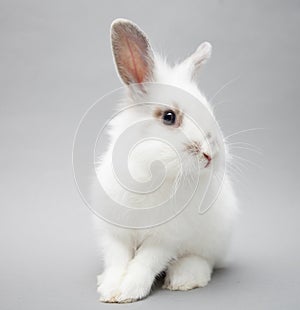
132, 52
198, 58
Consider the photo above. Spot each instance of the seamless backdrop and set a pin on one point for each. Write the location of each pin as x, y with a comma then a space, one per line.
56, 61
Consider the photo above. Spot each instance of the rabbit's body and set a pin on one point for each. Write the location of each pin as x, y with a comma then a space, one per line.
189, 245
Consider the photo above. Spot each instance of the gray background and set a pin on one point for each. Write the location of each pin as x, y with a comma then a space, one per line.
56, 61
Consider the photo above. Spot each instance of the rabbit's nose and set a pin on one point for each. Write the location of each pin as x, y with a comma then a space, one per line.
208, 158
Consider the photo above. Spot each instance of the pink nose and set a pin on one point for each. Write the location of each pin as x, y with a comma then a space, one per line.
208, 158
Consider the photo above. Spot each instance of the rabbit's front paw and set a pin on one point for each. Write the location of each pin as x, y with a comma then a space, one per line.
108, 285
135, 286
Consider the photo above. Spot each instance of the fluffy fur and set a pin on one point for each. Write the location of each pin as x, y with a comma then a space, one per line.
189, 246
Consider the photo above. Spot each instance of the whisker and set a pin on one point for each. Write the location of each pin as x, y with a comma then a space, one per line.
246, 148
222, 88
236, 173
243, 131
246, 160
230, 165
236, 168
241, 165
216, 105
245, 144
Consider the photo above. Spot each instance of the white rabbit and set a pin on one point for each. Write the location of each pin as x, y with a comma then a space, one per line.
189, 245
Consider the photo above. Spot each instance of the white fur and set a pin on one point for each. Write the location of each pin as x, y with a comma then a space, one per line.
190, 245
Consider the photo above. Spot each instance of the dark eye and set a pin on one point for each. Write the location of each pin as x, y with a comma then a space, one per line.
169, 117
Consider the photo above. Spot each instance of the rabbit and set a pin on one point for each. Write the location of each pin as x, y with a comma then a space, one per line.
190, 245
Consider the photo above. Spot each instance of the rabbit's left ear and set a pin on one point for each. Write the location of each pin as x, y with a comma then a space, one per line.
132, 52
198, 58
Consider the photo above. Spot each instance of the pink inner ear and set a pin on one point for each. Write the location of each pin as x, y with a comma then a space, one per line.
131, 51
135, 63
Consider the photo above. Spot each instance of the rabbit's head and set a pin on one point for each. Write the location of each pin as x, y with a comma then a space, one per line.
164, 101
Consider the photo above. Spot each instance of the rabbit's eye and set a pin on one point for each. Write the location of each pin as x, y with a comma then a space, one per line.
169, 117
